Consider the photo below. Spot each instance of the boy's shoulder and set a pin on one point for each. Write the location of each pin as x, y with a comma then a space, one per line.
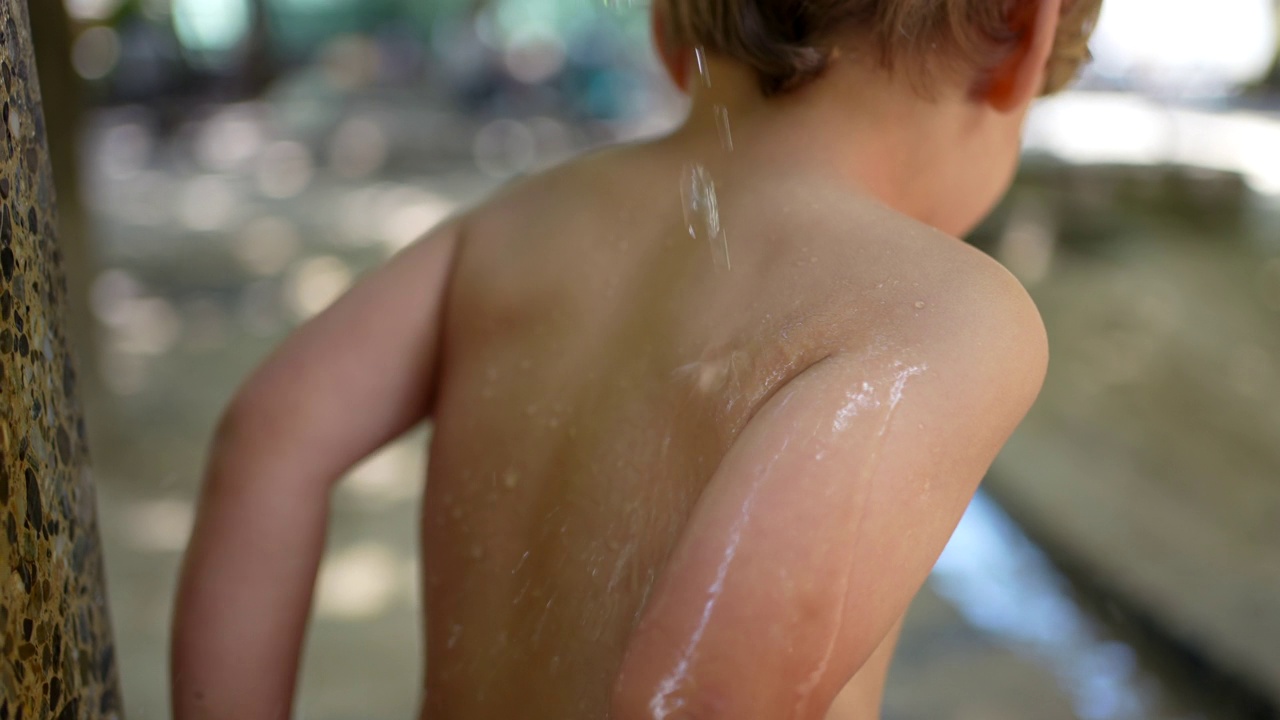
912, 285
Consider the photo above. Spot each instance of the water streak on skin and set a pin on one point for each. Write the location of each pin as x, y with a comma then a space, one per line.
702, 212
663, 704
860, 399
618, 569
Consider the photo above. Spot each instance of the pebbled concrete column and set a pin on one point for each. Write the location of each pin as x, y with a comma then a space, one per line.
57, 659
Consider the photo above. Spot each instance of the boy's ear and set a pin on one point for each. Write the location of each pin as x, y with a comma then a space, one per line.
676, 60
1019, 77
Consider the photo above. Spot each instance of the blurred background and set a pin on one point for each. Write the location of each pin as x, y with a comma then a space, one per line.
226, 168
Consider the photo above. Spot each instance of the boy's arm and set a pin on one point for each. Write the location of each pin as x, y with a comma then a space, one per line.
821, 524
346, 383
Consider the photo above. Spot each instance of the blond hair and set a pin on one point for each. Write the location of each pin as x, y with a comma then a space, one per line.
790, 42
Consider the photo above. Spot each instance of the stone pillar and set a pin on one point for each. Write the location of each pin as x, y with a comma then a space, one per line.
57, 659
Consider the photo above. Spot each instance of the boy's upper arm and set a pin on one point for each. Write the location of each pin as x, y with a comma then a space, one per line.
356, 376
821, 524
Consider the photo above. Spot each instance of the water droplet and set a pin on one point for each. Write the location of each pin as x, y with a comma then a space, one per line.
702, 213
920, 305
477, 552
700, 54
722, 125
511, 479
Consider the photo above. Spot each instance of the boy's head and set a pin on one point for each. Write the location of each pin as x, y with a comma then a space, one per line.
937, 89
790, 42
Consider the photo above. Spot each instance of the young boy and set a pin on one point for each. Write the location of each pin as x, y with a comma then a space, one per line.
706, 408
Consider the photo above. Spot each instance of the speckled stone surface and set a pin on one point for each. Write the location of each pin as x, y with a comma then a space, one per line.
57, 656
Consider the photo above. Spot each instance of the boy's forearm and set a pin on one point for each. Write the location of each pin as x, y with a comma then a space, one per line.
246, 587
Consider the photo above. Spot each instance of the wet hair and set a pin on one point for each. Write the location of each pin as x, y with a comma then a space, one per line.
790, 42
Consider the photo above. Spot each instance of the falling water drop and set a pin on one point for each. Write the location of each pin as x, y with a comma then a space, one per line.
722, 125
702, 212
700, 54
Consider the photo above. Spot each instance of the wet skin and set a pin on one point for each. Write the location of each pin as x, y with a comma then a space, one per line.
686, 464
663, 488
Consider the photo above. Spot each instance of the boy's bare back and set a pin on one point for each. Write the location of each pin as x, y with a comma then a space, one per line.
598, 366
671, 476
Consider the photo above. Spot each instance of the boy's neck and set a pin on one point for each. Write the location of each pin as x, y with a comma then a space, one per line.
872, 130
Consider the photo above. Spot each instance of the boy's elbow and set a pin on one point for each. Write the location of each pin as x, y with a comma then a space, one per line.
248, 435
240, 424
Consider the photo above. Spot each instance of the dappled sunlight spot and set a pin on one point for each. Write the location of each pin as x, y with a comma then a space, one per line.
230, 138
144, 326
208, 203
110, 294
96, 52
392, 214
265, 246
357, 583
90, 10
504, 148
124, 150
392, 475
210, 26
285, 169
159, 525
535, 56
410, 215
358, 148
315, 283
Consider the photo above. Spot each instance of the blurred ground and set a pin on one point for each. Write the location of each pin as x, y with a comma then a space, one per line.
218, 241
1150, 464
